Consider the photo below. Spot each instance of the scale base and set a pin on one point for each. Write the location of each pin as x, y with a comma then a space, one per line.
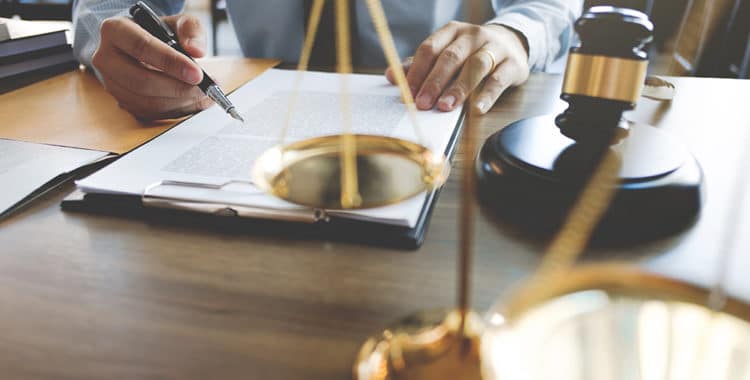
529, 174
424, 346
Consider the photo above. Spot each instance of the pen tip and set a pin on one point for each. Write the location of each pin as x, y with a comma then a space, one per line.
233, 113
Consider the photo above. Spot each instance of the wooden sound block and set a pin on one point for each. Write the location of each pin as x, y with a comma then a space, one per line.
530, 174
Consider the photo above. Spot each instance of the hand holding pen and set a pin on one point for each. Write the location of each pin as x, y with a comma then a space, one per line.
149, 78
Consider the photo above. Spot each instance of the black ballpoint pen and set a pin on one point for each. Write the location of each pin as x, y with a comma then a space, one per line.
144, 16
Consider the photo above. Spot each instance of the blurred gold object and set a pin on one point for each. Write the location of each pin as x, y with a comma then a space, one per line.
702, 22
442, 344
428, 345
614, 321
388, 169
350, 171
604, 77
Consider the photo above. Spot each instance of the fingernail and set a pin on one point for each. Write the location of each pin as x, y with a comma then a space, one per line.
424, 101
448, 101
482, 106
190, 75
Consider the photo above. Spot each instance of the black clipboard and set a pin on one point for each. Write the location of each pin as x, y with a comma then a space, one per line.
227, 220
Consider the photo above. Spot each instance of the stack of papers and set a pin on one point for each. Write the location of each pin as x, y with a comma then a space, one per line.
216, 154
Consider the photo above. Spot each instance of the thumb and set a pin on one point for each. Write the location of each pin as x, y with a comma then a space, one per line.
189, 32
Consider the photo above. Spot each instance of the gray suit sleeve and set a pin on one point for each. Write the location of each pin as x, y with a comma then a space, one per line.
89, 14
547, 26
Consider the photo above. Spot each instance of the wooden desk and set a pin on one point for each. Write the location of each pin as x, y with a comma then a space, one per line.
74, 110
94, 297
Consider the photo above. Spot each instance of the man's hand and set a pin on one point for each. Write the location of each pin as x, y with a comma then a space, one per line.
148, 78
454, 61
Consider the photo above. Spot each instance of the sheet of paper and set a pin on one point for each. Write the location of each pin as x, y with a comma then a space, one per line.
26, 167
211, 148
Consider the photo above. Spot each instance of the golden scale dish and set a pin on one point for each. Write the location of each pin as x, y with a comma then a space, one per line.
606, 321
350, 171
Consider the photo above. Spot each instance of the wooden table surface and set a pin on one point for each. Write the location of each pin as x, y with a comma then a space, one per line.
96, 297
74, 110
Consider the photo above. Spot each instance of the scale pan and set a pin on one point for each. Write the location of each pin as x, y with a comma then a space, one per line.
611, 321
389, 170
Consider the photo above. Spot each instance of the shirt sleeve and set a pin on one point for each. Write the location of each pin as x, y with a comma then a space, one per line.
88, 16
547, 26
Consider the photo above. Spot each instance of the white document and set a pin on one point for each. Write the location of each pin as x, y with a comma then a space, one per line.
213, 149
27, 167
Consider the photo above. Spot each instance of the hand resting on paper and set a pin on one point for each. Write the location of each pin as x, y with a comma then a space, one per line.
148, 78
457, 58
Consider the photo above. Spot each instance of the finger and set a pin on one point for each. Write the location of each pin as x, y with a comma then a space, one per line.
154, 107
150, 115
139, 44
446, 67
476, 68
189, 32
389, 74
142, 81
503, 77
194, 107
143, 107
427, 53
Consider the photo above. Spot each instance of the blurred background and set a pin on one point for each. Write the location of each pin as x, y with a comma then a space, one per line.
692, 37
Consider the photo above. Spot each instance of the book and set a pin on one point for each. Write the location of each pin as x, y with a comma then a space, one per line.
18, 37
37, 61
31, 51
18, 81
216, 154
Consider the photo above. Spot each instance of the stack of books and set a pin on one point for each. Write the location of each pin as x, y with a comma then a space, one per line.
33, 50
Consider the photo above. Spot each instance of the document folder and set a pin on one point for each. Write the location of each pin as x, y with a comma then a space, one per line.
302, 223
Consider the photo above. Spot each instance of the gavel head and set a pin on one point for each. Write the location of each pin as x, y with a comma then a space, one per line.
605, 74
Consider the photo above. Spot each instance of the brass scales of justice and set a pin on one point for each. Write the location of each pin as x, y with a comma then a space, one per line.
595, 321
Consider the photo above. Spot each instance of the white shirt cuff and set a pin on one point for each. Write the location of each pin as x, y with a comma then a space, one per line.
532, 31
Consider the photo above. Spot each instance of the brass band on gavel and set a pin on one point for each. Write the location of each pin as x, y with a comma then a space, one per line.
605, 77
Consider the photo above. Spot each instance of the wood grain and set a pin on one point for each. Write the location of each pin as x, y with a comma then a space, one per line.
96, 297
73, 109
